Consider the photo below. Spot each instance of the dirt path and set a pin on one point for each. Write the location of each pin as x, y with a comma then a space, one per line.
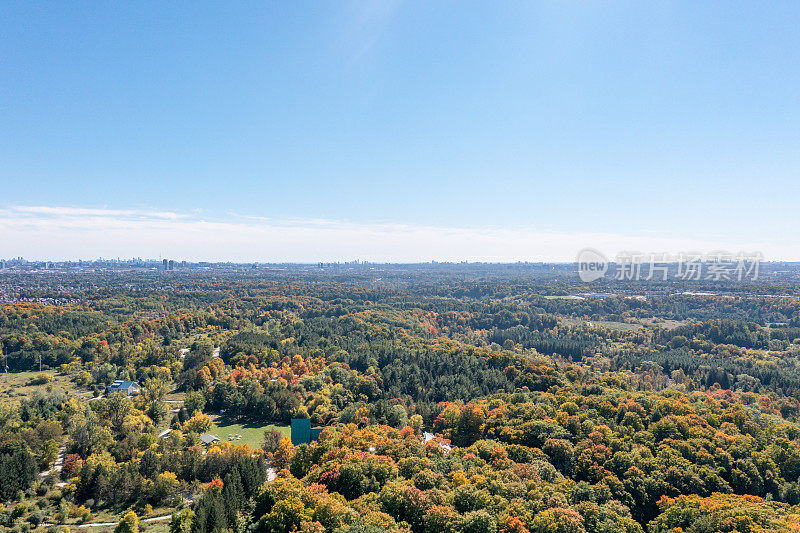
108, 524
58, 465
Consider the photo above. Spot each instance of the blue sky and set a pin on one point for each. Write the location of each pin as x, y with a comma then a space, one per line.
538, 126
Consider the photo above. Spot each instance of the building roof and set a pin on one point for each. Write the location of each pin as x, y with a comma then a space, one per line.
427, 437
164, 433
208, 438
123, 385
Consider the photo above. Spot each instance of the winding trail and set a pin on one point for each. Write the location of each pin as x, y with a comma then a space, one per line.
108, 524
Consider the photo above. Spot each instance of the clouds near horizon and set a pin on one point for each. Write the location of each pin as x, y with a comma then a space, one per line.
65, 232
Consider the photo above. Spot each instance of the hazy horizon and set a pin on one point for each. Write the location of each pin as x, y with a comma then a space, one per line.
49, 233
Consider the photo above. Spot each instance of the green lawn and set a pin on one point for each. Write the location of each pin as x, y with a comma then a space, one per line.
252, 434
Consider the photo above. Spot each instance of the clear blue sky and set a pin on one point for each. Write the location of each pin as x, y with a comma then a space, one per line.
674, 119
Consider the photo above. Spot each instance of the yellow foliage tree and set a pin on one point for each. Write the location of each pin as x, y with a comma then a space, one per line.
199, 423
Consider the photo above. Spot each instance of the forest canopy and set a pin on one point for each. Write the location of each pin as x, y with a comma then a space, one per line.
500, 399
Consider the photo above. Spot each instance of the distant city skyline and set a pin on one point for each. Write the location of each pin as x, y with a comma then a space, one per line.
47, 233
398, 131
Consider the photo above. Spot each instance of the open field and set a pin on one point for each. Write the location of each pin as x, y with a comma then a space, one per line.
604, 323
252, 434
639, 323
18, 385
664, 323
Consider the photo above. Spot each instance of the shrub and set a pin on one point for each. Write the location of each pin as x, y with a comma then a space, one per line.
128, 524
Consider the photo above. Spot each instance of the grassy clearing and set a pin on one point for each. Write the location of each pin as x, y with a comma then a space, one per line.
604, 323
252, 434
664, 323
17, 385
175, 395
629, 326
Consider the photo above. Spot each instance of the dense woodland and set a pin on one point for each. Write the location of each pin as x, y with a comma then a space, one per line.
556, 406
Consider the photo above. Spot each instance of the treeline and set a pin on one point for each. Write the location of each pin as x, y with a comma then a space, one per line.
738, 333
